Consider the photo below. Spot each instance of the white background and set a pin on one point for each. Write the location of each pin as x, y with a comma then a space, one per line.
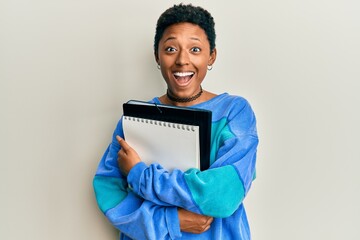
66, 67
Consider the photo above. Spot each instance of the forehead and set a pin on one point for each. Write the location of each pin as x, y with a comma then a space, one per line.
184, 30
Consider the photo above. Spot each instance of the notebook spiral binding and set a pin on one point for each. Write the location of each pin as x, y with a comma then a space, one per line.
162, 123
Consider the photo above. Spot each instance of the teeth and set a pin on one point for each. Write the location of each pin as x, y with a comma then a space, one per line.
183, 74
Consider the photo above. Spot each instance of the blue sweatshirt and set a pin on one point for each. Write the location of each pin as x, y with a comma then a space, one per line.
144, 204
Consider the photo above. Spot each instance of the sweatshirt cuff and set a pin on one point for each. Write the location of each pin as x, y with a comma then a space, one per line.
134, 176
172, 222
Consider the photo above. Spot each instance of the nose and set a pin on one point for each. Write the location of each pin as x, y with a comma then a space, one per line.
182, 58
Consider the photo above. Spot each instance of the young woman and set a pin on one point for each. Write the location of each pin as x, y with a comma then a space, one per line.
149, 202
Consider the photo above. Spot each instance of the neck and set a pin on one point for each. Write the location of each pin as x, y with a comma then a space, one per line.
171, 96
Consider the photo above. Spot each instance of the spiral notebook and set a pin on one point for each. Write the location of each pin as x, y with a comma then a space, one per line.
174, 137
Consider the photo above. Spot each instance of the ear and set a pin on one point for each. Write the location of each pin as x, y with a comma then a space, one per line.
212, 57
157, 58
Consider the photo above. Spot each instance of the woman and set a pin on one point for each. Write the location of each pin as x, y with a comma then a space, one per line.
148, 202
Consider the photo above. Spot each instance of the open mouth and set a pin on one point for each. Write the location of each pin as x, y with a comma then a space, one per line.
183, 78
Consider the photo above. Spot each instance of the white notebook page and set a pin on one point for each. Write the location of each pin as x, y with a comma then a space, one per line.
171, 145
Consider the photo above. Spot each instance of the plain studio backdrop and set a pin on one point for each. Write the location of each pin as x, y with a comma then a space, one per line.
66, 67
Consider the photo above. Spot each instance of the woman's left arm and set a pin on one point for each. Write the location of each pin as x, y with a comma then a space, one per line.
216, 192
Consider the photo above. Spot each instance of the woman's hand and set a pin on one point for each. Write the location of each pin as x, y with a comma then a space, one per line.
127, 156
192, 222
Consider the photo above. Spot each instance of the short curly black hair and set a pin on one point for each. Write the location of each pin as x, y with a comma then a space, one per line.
185, 13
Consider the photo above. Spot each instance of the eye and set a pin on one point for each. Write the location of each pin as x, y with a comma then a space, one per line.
170, 49
196, 49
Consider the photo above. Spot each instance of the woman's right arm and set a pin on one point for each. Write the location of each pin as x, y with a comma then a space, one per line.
132, 215
141, 219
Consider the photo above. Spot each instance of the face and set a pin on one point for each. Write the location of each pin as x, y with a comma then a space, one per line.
184, 55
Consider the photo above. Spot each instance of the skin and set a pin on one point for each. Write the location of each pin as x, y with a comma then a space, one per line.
183, 50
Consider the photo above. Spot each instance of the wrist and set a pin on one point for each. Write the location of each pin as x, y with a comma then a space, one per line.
134, 175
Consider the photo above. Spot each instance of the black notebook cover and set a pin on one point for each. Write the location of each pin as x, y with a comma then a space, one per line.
173, 114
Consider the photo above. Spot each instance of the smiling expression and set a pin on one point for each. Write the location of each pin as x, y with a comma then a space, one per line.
184, 55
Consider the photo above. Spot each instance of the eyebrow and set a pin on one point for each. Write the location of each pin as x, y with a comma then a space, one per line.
196, 39
172, 38
169, 38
